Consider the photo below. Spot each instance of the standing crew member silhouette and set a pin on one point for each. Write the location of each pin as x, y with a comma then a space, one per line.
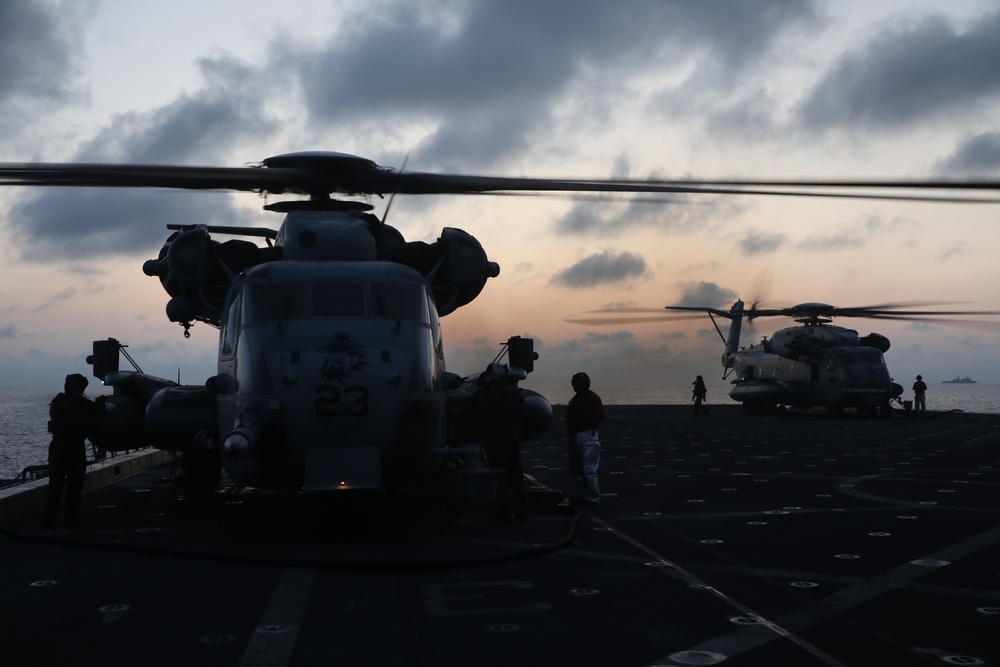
919, 394
71, 414
497, 406
583, 413
698, 395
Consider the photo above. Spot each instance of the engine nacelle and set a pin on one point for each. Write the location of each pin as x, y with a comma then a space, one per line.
175, 415
878, 341
536, 415
466, 272
122, 426
196, 271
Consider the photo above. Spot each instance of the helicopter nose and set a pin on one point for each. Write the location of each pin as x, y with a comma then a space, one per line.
238, 444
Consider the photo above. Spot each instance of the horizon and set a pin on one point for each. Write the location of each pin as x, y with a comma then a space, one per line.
639, 90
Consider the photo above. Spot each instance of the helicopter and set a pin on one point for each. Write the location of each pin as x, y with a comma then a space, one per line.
817, 364
331, 372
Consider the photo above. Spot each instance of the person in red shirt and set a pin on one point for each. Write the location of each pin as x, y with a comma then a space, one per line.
583, 414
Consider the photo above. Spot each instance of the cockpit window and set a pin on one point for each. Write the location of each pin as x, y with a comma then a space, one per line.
280, 301
405, 302
231, 328
268, 302
342, 299
861, 356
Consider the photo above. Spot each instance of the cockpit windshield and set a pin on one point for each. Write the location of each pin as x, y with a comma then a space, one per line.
267, 302
338, 299
280, 301
406, 302
861, 356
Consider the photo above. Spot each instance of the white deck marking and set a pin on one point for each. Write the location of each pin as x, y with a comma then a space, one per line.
274, 636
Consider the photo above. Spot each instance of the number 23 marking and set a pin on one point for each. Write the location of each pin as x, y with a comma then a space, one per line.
335, 402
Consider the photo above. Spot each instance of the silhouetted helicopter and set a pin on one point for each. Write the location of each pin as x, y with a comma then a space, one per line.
815, 364
331, 368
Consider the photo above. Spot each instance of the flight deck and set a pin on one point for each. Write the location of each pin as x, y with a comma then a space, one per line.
739, 539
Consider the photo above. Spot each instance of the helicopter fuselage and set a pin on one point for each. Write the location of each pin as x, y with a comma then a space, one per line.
329, 375
818, 365
331, 371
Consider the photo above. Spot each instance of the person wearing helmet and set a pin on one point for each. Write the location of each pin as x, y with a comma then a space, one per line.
496, 407
71, 414
583, 413
698, 395
920, 394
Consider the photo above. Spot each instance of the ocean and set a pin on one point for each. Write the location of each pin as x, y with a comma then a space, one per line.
24, 412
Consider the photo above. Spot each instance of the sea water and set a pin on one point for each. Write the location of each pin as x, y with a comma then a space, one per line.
24, 417
24, 412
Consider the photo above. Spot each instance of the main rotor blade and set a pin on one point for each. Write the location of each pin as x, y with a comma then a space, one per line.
652, 315
883, 311
417, 183
324, 174
651, 319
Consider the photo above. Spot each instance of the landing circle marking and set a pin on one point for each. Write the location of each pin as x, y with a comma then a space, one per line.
503, 627
697, 657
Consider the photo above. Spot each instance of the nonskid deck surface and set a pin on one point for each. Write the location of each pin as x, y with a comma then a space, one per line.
793, 539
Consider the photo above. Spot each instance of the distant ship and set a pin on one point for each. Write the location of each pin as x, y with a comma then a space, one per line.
958, 380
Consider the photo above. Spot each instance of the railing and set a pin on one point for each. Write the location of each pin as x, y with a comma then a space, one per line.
41, 471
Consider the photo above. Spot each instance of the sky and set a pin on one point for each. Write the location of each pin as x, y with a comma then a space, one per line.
559, 88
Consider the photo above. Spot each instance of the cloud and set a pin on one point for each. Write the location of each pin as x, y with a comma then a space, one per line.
40, 47
977, 155
605, 267
605, 216
497, 77
9, 331
227, 111
851, 236
618, 356
909, 74
79, 224
493, 80
761, 243
82, 223
953, 250
705, 294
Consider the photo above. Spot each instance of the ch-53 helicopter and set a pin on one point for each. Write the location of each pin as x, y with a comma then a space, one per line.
816, 364
331, 368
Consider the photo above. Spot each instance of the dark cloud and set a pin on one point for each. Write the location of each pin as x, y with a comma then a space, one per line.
608, 215
605, 267
976, 155
80, 223
9, 331
40, 48
485, 83
196, 128
705, 294
908, 74
761, 243
678, 213
77, 224
488, 79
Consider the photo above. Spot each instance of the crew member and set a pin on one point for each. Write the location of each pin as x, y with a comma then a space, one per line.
919, 394
497, 407
583, 413
71, 414
698, 395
